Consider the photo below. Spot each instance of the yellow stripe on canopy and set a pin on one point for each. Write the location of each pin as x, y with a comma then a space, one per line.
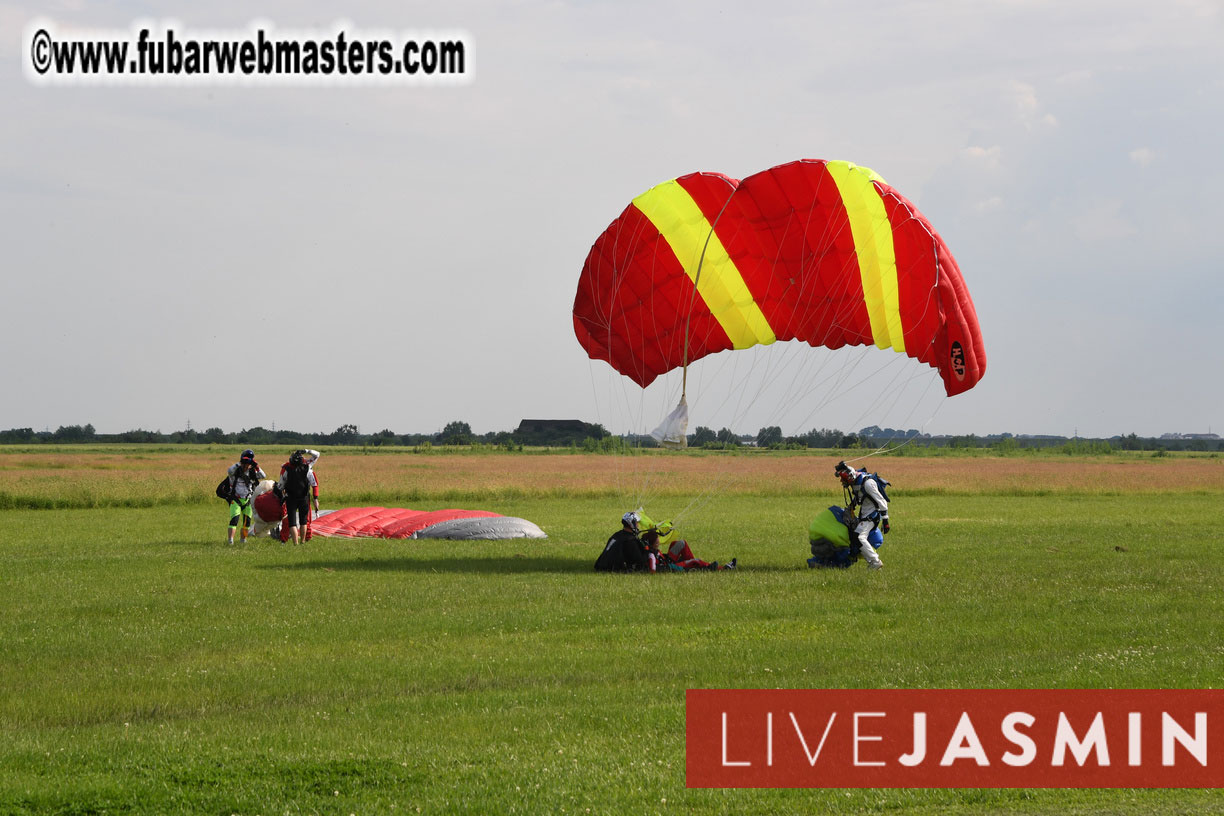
678, 218
873, 243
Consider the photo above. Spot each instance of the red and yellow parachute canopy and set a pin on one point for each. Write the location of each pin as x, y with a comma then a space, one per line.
820, 251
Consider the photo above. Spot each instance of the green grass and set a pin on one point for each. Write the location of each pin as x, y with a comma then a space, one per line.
146, 667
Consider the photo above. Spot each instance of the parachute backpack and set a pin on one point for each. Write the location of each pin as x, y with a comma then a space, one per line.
881, 484
842, 470
297, 479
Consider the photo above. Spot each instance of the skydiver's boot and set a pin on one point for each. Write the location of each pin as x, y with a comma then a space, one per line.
873, 559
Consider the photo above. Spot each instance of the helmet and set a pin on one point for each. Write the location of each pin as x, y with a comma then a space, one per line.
846, 473
248, 455
631, 519
295, 458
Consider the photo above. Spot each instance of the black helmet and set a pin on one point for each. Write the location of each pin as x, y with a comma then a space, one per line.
844, 472
248, 455
295, 458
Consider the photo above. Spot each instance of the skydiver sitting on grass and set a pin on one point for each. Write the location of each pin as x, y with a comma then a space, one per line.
674, 551
625, 550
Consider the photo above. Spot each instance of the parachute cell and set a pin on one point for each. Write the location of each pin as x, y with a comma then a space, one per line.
823, 252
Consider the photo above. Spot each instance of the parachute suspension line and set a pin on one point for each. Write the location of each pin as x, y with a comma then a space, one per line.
900, 365
698, 502
885, 449
841, 376
796, 392
633, 478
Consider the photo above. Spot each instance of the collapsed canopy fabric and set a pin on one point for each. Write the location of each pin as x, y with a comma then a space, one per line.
828, 526
395, 522
820, 251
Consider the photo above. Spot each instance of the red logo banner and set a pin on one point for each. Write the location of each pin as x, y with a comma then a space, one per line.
955, 738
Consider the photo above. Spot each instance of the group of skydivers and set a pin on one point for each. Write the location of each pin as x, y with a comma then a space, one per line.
641, 545
293, 491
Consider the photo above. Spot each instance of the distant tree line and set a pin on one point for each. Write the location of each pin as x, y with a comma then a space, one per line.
594, 437
454, 433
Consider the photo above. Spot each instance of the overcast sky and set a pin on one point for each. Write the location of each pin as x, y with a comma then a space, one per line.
402, 256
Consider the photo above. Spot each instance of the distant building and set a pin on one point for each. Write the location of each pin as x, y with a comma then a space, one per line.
554, 432
551, 426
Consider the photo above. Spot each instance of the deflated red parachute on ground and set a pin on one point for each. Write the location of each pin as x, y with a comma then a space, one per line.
820, 251
394, 522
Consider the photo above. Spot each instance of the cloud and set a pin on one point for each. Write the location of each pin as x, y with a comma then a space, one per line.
989, 205
1029, 108
987, 157
1142, 156
1025, 98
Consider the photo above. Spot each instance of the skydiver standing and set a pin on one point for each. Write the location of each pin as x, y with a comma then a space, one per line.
298, 485
244, 477
868, 509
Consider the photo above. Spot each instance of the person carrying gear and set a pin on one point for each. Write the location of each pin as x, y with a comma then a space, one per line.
244, 478
625, 550
674, 551
866, 509
298, 485
269, 509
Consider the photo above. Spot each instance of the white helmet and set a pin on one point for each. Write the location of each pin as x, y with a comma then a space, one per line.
631, 519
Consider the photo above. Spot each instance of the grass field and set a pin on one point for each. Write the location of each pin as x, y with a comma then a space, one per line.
147, 667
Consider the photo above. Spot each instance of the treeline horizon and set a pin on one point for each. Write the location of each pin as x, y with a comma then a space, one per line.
594, 437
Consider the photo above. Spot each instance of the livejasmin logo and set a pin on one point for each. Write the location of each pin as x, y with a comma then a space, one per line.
983, 738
